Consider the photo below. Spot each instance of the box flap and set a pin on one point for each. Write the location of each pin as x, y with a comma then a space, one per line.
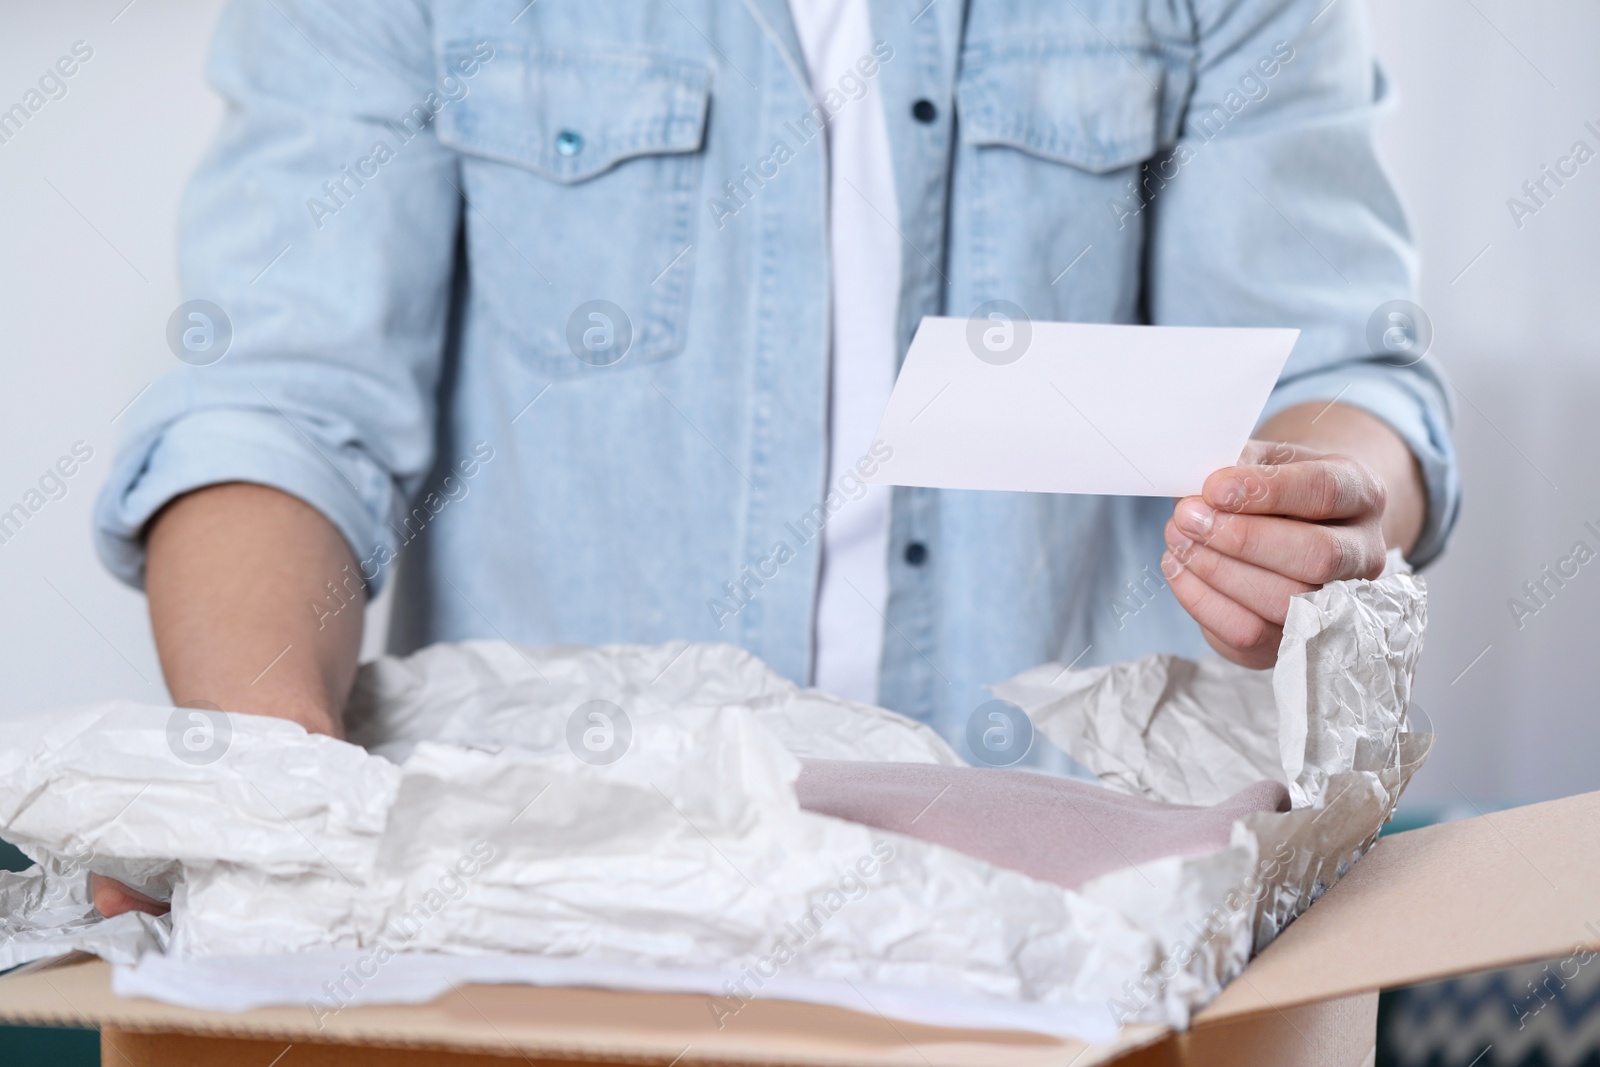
1512, 887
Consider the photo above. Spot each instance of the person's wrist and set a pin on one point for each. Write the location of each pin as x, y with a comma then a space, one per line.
306, 707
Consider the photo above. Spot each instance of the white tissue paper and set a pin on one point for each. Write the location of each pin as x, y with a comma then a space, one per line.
626, 817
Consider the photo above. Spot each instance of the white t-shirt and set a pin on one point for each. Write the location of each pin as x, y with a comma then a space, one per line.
865, 251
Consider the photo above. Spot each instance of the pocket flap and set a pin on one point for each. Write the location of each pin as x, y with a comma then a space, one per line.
1098, 109
569, 114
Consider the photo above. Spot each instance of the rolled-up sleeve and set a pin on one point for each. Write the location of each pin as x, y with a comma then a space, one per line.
1275, 210
323, 224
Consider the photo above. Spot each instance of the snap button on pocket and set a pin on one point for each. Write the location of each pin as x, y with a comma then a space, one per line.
924, 111
568, 142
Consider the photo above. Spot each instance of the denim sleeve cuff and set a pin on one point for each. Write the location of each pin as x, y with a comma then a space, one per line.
211, 447
1422, 422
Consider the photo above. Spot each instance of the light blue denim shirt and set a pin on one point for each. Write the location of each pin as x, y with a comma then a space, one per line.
412, 208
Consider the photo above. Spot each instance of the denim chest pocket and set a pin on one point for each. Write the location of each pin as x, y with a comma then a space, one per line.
1097, 109
580, 171
1051, 134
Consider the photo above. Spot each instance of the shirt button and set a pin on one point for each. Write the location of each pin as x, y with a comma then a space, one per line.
568, 142
916, 553
924, 111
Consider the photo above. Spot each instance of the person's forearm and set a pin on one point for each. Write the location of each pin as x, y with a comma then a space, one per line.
238, 579
1353, 432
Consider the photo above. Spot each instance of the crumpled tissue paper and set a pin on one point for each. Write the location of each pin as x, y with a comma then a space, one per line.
626, 816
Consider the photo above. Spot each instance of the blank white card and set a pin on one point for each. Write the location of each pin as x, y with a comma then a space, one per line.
1063, 407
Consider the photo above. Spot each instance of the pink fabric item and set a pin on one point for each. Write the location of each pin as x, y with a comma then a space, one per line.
1053, 829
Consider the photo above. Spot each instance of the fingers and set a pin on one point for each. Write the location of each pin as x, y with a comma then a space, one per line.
1232, 629
1329, 488
1283, 521
1260, 658
1275, 452
1302, 551
1261, 591
112, 898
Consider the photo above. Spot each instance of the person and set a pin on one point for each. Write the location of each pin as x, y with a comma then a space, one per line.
577, 321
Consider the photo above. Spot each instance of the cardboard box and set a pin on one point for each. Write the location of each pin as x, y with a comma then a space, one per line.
1508, 888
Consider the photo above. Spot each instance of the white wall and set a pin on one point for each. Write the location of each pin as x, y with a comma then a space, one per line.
87, 281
